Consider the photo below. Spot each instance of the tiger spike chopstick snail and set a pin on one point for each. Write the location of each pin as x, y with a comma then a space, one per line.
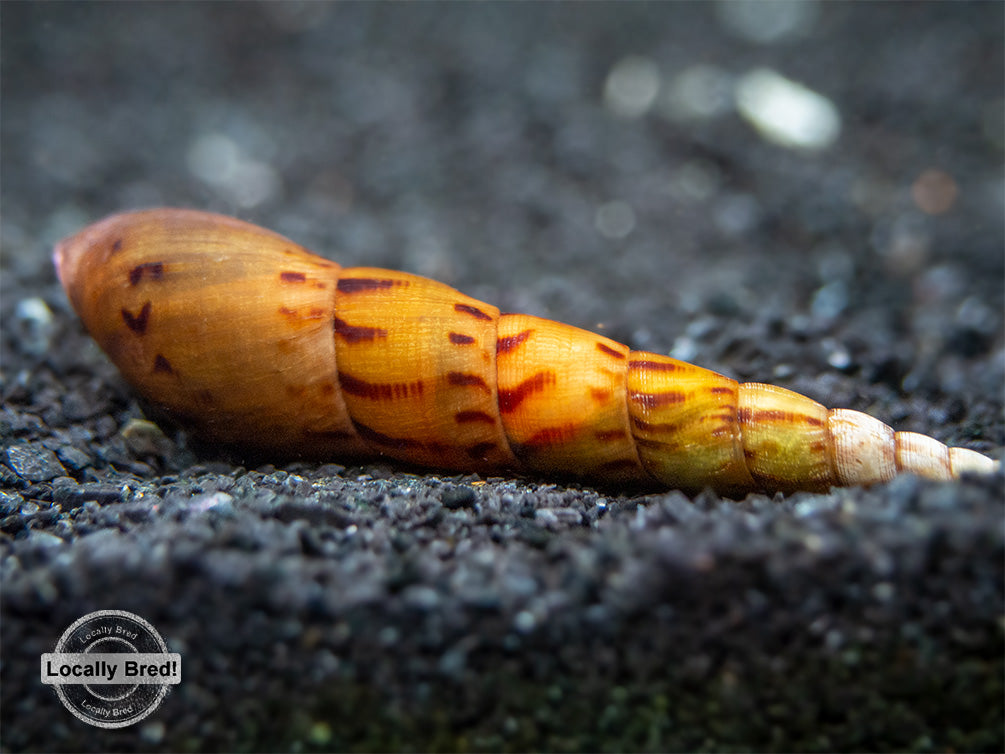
252, 340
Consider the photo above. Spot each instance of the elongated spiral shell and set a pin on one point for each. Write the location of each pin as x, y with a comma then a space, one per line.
253, 341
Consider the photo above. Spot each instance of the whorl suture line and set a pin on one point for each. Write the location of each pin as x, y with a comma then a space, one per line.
252, 340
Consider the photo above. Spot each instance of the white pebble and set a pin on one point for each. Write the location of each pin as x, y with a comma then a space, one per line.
785, 112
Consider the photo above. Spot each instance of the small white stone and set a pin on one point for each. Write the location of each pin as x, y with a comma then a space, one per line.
785, 112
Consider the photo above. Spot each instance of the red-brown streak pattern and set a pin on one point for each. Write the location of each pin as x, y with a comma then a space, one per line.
722, 391
510, 400
600, 395
653, 366
463, 379
778, 417
473, 311
356, 334
293, 314
162, 365
379, 438
292, 277
654, 427
466, 417
137, 323
358, 285
551, 436
603, 348
379, 391
459, 339
507, 344
155, 270
655, 400
727, 426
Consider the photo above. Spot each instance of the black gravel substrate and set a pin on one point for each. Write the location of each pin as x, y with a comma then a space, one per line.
584, 162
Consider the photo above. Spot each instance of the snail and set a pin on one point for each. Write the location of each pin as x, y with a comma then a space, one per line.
253, 341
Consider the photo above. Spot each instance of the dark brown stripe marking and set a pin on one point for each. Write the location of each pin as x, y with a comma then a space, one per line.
473, 311
466, 417
464, 379
748, 416
722, 391
728, 426
379, 391
604, 348
313, 313
292, 277
654, 428
610, 435
358, 285
137, 323
379, 438
481, 450
600, 395
653, 366
507, 344
154, 270
162, 365
356, 334
459, 339
656, 400
510, 400
551, 436
117, 246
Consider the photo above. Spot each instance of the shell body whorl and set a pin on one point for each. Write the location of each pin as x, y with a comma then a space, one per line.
254, 341
221, 324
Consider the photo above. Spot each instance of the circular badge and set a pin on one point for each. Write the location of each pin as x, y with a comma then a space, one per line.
111, 668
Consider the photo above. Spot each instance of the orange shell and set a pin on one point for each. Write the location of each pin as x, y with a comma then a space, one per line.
252, 340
